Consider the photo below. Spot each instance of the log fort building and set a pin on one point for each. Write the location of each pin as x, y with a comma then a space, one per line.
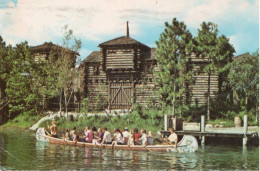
122, 73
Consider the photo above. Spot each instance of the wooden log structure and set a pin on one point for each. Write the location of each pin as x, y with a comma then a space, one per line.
48, 53
121, 74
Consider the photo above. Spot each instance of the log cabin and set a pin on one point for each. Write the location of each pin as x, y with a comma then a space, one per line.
49, 53
121, 73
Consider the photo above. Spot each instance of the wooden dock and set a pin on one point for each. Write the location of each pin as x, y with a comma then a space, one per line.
214, 134
202, 132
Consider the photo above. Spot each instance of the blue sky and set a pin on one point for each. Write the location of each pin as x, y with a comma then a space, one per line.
94, 22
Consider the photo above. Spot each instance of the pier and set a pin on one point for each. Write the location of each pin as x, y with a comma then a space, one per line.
200, 131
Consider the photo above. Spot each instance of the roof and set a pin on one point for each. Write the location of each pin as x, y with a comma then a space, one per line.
45, 46
95, 56
48, 46
124, 40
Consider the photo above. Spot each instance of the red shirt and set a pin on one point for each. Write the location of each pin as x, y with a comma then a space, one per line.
137, 136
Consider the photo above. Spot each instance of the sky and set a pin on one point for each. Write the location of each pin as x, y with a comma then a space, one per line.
97, 21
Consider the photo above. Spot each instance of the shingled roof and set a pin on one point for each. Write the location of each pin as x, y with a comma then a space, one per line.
48, 47
124, 40
45, 46
95, 56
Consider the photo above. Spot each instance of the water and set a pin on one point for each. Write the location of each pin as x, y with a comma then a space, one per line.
20, 150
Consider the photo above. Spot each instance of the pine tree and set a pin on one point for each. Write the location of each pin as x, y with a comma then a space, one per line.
172, 54
216, 49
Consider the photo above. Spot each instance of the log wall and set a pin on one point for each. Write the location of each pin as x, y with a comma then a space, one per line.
203, 82
120, 58
96, 89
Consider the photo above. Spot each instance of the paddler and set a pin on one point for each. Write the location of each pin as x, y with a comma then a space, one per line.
173, 138
53, 129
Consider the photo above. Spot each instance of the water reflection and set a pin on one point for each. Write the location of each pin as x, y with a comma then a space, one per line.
80, 157
88, 156
33, 154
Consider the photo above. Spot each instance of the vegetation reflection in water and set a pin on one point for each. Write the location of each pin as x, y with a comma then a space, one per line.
20, 150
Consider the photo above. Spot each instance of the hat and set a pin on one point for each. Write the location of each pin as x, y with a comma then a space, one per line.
126, 128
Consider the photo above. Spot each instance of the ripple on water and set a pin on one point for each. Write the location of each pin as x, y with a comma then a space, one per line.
44, 156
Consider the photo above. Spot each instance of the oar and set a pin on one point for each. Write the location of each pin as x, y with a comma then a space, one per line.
168, 141
175, 146
144, 146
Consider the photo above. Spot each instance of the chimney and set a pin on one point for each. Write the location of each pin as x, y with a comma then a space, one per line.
127, 29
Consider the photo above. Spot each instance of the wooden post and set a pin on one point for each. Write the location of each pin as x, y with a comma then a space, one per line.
174, 121
109, 95
202, 129
165, 122
245, 130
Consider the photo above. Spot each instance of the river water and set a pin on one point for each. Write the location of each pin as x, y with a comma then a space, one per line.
20, 150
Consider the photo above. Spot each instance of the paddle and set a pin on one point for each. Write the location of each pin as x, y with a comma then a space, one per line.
175, 145
168, 141
143, 146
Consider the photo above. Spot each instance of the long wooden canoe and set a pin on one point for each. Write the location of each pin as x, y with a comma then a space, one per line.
186, 145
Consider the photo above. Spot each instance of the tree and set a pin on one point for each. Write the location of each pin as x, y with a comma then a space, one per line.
23, 98
63, 64
217, 50
244, 79
4, 66
172, 54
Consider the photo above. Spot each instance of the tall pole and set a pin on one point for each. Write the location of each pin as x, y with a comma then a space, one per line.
127, 29
208, 100
245, 131
202, 129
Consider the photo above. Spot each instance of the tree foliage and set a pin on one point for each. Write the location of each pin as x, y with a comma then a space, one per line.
22, 96
244, 79
63, 67
216, 49
172, 54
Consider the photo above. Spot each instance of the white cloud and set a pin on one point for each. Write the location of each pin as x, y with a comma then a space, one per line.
222, 10
234, 40
38, 21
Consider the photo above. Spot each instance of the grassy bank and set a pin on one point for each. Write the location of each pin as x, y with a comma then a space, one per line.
149, 119
23, 121
150, 122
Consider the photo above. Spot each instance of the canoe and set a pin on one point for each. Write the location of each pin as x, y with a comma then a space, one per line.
187, 144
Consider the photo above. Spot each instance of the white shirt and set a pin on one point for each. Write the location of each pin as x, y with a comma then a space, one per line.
107, 137
144, 139
119, 138
126, 134
173, 137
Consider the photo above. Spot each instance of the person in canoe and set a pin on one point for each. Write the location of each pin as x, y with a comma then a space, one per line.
74, 135
126, 135
106, 137
95, 133
137, 135
173, 138
53, 129
89, 135
66, 137
144, 137
119, 140
98, 140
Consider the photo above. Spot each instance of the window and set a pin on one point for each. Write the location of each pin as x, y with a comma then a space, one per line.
96, 70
